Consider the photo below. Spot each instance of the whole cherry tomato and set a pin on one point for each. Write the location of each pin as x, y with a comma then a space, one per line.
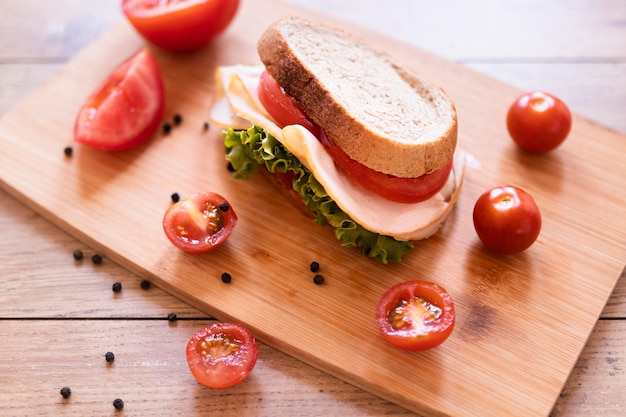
507, 219
415, 315
180, 25
126, 109
200, 223
538, 122
222, 354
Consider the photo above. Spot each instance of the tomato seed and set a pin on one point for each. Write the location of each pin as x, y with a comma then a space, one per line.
315, 266
145, 284
66, 392
118, 404
68, 151
109, 356
96, 259
78, 255
117, 287
226, 277
175, 197
318, 279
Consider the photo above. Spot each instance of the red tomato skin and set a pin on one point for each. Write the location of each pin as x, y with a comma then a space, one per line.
223, 372
178, 214
538, 122
285, 111
507, 220
126, 109
181, 26
432, 334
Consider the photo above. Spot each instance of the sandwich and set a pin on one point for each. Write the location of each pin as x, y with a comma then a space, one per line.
364, 144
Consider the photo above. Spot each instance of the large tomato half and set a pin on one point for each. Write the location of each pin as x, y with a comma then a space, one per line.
222, 354
285, 111
415, 315
180, 25
200, 223
126, 109
507, 219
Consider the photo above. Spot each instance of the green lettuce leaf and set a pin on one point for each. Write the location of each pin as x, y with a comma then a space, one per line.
248, 149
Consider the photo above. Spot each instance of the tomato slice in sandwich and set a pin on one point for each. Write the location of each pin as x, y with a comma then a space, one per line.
284, 109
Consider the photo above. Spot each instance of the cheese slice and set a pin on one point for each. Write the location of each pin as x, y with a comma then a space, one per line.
236, 91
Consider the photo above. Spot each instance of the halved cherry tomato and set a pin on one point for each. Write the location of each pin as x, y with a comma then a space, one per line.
285, 111
415, 315
507, 219
222, 354
538, 122
200, 223
126, 109
180, 25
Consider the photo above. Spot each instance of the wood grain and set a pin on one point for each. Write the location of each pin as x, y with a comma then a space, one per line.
614, 398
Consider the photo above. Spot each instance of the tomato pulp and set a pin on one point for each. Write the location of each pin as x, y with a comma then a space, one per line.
285, 111
180, 25
222, 355
200, 223
126, 109
415, 315
538, 122
507, 219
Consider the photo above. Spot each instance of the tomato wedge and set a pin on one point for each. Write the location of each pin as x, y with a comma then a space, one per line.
200, 223
415, 315
285, 111
222, 355
180, 25
126, 109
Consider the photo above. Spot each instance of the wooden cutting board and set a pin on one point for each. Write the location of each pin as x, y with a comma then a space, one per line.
521, 320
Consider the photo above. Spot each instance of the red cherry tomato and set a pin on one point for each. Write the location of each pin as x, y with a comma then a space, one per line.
126, 109
285, 111
222, 355
507, 219
538, 122
180, 25
200, 223
415, 315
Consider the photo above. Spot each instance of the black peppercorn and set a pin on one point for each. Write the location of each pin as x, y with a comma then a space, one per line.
78, 255
109, 356
177, 119
96, 259
175, 197
167, 128
145, 284
68, 151
226, 278
118, 404
206, 125
315, 266
66, 392
224, 207
117, 287
171, 317
318, 279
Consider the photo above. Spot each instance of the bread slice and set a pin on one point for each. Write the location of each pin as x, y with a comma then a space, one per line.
382, 115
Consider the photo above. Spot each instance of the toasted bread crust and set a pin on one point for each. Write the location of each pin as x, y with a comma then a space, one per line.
381, 115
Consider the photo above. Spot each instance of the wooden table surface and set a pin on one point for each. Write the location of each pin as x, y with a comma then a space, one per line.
59, 317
